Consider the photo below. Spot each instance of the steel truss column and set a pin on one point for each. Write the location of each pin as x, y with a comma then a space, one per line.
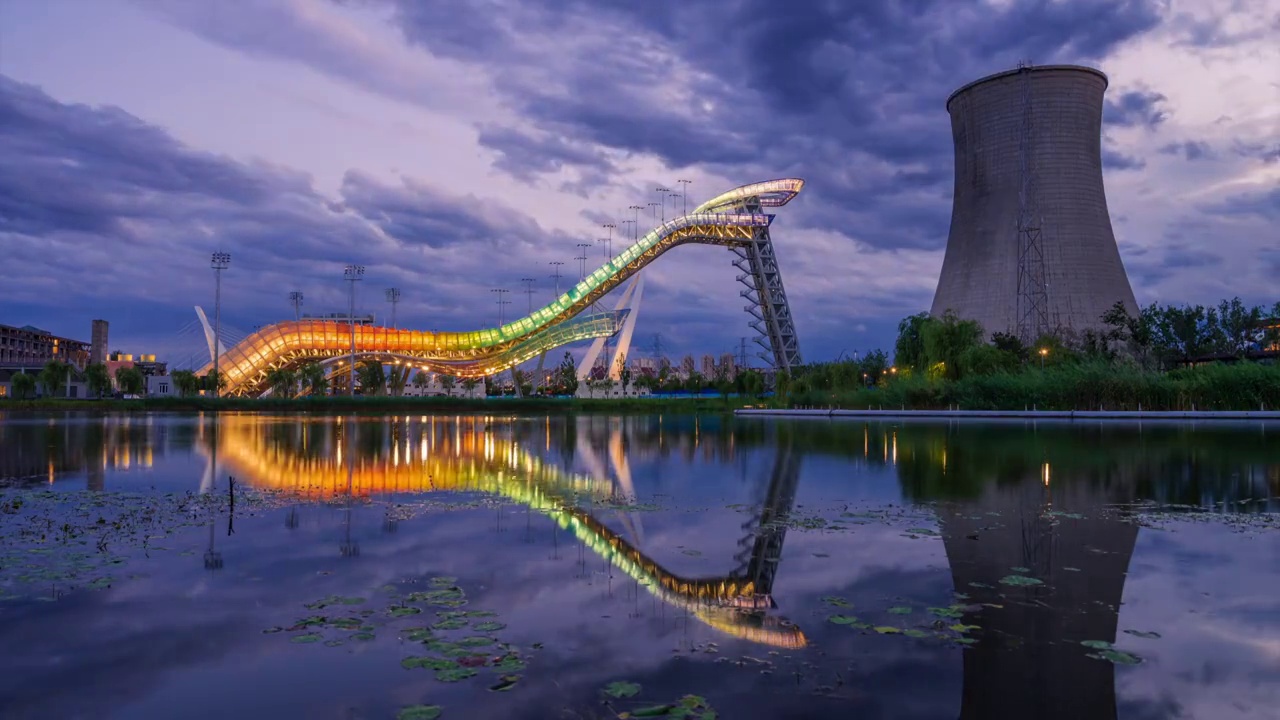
769, 308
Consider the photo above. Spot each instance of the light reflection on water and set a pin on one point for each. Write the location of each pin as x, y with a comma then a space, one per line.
612, 541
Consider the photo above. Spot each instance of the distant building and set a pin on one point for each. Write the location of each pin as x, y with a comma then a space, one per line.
98, 342
160, 386
30, 348
686, 366
708, 366
728, 366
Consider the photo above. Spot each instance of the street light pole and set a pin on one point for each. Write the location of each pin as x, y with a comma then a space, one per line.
684, 196
352, 274
662, 200
528, 290
610, 227
636, 221
295, 297
219, 261
583, 260
556, 264
393, 297
502, 292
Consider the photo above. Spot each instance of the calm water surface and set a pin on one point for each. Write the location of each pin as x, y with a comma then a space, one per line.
288, 566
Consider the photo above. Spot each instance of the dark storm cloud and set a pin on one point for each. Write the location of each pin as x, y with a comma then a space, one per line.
523, 156
1261, 204
1259, 151
1134, 108
111, 191
1116, 160
1189, 149
847, 95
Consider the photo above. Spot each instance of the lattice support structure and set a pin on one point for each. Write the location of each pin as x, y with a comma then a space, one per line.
768, 307
1033, 293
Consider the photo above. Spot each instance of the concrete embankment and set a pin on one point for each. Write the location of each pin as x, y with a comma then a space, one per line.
1197, 415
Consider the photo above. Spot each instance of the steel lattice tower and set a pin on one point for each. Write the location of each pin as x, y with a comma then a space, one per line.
769, 310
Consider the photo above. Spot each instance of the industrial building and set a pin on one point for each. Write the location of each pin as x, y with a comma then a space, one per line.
1031, 250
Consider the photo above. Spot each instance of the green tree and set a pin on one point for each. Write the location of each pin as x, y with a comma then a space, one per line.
313, 379
987, 360
946, 340
421, 380
448, 382
186, 382
695, 383
874, 364
1239, 326
282, 381
98, 379
1271, 330
212, 379
24, 385
753, 383
130, 381
1183, 333
470, 384
372, 377
624, 371
397, 379
53, 377
908, 351
566, 378
1013, 345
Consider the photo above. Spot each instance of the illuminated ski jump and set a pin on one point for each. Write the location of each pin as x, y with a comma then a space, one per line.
733, 219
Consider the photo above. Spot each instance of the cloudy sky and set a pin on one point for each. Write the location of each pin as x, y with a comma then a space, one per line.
454, 147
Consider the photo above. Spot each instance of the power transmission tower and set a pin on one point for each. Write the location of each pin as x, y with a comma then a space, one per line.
742, 355
556, 264
295, 298
528, 290
1033, 294
393, 297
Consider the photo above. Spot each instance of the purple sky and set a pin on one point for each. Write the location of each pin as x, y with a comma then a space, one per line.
457, 147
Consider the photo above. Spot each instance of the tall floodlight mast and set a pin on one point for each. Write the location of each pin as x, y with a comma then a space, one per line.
502, 294
556, 264
393, 297
219, 261
662, 200
582, 260
528, 291
295, 299
610, 227
635, 227
352, 274
684, 196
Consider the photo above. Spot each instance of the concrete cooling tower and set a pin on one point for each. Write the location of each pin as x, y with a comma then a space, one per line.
1031, 249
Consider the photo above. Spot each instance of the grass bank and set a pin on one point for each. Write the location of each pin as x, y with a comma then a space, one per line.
1087, 386
658, 404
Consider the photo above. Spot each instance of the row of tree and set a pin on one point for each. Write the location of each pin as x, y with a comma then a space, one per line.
1158, 338
54, 377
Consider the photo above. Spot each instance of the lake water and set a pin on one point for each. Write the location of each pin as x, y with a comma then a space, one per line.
296, 566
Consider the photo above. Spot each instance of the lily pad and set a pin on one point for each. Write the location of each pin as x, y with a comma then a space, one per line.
332, 643
947, 612
476, 641
307, 638
430, 663
836, 601
489, 626
1021, 569
455, 673
418, 634
363, 636
1019, 580
510, 663
962, 628
621, 689
888, 630
842, 619
1141, 634
444, 581
1096, 644
1117, 657
505, 683
419, 712
914, 633
900, 610
403, 611
449, 624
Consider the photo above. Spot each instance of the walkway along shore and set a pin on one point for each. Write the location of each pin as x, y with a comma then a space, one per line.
1270, 415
